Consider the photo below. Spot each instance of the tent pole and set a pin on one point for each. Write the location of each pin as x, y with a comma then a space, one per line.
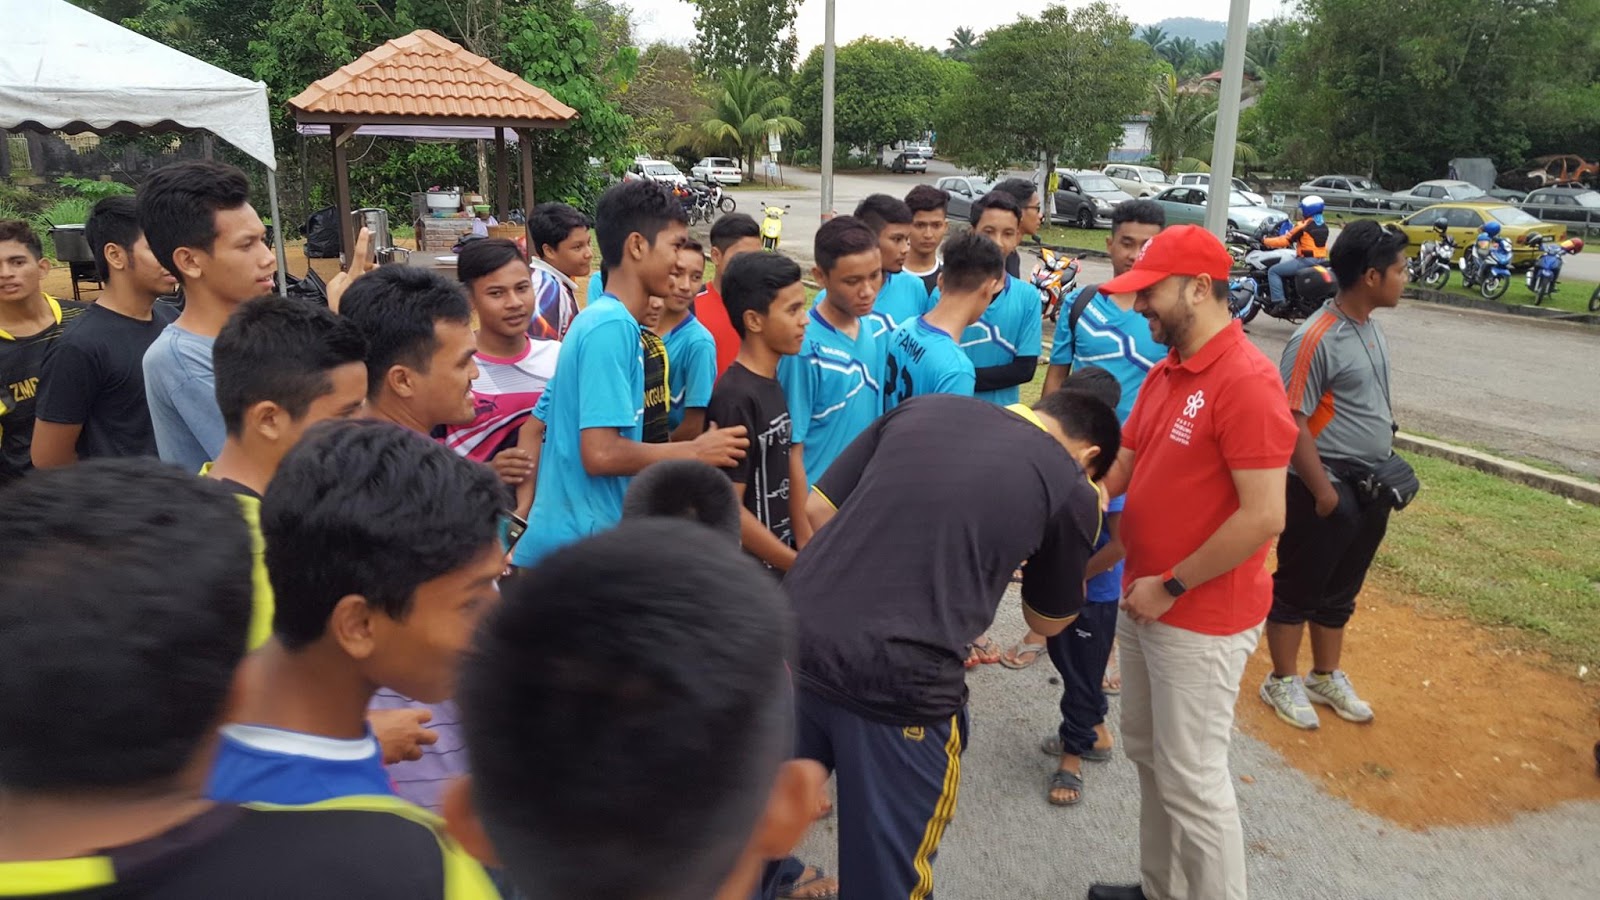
341, 193
277, 233
502, 178
525, 146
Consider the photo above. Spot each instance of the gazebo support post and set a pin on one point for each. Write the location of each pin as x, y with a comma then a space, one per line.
341, 191
502, 176
525, 146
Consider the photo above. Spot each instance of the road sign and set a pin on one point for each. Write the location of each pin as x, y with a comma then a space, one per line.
774, 143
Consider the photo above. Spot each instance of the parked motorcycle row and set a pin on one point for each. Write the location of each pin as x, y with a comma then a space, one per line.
704, 201
1487, 265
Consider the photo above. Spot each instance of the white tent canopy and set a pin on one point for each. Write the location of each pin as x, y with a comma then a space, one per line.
67, 69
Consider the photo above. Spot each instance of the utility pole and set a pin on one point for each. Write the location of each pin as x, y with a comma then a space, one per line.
827, 113
1227, 130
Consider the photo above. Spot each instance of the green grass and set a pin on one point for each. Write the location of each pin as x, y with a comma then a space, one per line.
1075, 238
1571, 294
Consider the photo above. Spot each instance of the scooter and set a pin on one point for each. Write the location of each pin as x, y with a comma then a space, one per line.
1488, 267
1302, 295
772, 226
1546, 269
1055, 276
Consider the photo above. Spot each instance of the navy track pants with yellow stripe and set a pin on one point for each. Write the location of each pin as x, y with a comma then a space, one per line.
897, 791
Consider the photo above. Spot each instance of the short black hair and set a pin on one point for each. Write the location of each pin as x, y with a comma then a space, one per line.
367, 507
1138, 212
970, 259
119, 658
640, 206
733, 228
927, 198
486, 257
994, 200
613, 679
396, 308
178, 206
694, 246
752, 281
23, 233
1021, 189
1096, 382
280, 349
839, 237
550, 224
114, 220
1083, 416
684, 489
878, 211
1362, 245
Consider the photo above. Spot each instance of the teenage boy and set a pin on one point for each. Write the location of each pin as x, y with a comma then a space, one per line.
1031, 203
1336, 367
903, 296
383, 549
731, 236
1005, 344
691, 350
882, 697
929, 222
91, 390
201, 227
513, 368
120, 666
562, 256
30, 322
1210, 426
594, 417
565, 758
282, 365
922, 356
764, 295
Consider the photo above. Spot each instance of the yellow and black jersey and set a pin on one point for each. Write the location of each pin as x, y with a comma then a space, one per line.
21, 361
657, 395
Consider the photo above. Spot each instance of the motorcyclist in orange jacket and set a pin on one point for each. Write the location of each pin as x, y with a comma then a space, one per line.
1309, 239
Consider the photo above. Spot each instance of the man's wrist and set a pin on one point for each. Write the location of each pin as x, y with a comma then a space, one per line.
1174, 585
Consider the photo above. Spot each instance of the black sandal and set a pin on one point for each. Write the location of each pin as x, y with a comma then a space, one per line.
1052, 747
1061, 779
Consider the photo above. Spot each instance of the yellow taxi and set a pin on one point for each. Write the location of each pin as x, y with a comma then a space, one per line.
1466, 219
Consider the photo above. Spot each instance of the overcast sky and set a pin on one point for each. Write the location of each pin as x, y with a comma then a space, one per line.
924, 22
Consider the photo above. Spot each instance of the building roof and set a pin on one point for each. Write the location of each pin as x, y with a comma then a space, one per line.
427, 77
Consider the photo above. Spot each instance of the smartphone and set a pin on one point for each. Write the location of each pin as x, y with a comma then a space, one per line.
512, 527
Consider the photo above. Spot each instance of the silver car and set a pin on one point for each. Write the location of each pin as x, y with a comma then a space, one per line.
1348, 190
1186, 205
1441, 190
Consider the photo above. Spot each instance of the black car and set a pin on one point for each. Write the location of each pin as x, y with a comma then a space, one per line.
1085, 198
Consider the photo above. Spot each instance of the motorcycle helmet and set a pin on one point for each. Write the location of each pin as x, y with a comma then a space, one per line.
1311, 207
1492, 228
1441, 224
1573, 245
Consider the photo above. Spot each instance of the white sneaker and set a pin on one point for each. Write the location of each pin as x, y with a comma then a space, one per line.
1287, 697
1335, 690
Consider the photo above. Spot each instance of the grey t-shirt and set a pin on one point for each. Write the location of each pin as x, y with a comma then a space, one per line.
1336, 372
181, 386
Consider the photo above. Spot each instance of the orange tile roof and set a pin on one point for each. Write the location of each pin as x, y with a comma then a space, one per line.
427, 75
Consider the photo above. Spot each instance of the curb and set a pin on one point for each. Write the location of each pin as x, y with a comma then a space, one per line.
1540, 314
1551, 482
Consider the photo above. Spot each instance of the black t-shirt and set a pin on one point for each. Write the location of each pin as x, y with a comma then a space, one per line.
21, 364
938, 501
94, 377
244, 853
1014, 264
741, 397
657, 430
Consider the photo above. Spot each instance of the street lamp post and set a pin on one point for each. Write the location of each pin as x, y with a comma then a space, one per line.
827, 113
1227, 130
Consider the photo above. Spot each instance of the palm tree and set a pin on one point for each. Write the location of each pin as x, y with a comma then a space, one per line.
747, 106
962, 43
1183, 124
1266, 44
1209, 58
1179, 51
1155, 36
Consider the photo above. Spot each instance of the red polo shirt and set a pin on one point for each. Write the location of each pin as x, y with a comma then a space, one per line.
1195, 422
711, 312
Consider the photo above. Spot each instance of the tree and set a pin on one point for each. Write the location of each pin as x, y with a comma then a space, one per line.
962, 43
1183, 123
1180, 52
747, 106
1155, 36
745, 34
884, 91
1267, 42
666, 97
1056, 86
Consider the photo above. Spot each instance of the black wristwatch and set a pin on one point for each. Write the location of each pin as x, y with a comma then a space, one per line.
1173, 584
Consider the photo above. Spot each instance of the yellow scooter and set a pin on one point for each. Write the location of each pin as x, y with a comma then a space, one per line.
772, 226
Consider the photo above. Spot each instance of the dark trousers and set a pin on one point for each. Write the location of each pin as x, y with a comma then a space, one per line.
1322, 562
897, 790
1080, 654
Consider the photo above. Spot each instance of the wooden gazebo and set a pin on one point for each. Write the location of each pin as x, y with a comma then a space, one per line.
427, 80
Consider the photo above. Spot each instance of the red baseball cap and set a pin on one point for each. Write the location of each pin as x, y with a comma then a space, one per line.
1185, 250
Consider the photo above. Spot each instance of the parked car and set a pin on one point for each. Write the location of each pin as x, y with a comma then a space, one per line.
1428, 193
1186, 205
920, 148
1464, 220
963, 189
720, 169
658, 170
1085, 198
908, 161
1238, 185
1138, 181
1548, 171
1562, 204
1349, 190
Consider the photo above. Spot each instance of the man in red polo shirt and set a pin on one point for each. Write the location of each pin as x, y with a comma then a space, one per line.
1204, 459
732, 235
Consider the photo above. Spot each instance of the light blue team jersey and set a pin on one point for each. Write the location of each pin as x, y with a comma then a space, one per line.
180, 387
599, 383
921, 359
595, 288
259, 764
902, 298
1012, 326
1115, 339
1107, 586
833, 390
691, 368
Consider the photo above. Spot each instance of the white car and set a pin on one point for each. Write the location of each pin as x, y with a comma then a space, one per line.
1204, 179
920, 148
719, 169
1138, 181
658, 170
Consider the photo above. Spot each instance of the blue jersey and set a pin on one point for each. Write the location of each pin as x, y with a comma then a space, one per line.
921, 359
691, 368
599, 383
595, 288
1107, 586
257, 764
833, 389
1115, 339
903, 297
1012, 326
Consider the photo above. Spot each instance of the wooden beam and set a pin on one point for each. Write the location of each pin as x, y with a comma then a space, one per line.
526, 153
502, 178
336, 119
341, 191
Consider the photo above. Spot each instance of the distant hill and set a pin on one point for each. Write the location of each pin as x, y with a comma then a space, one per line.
1203, 31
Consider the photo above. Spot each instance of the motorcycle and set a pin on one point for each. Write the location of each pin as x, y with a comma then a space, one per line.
1249, 292
1546, 269
1433, 263
772, 226
1488, 267
1055, 276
